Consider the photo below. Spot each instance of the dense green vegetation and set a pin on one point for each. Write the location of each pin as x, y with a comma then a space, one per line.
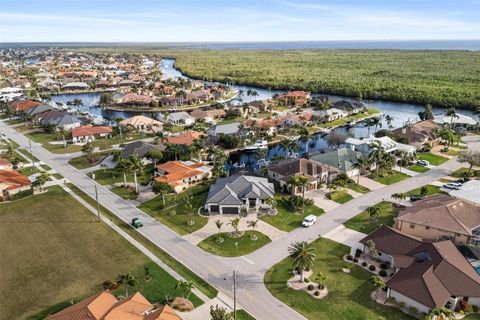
349, 294
444, 78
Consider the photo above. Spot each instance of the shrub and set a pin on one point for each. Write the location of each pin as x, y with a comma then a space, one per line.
321, 286
475, 308
316, 293
310, 287
358, 252
364, 264
384, 266
355, 260
383, 273
391, 300
306, 280
349, 257
401, 304
307, 269
110, 285
335, 195
413, 310
372, 268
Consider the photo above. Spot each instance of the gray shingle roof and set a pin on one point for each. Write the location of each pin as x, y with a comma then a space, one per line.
229, 191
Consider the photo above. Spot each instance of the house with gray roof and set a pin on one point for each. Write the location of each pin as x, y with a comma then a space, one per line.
64, 120
229, 195
181, 118
141, 148
226, 129
342, 159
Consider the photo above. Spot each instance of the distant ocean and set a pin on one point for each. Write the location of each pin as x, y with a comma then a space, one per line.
472, 45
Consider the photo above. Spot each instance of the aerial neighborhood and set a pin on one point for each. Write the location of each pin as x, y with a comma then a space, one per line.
172, 190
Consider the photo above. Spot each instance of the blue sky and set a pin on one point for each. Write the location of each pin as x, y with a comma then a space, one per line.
232, 20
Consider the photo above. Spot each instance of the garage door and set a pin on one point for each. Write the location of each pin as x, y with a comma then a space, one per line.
213, 208
230, 210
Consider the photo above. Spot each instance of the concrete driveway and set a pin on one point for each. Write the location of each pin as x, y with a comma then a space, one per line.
469, 191
345, 236
320, 199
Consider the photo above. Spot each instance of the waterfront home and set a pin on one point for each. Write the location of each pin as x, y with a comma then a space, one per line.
136, 99
22, 105
197, 97
105, 306
89, 133
236, 193
419, 134
314, 171
180, 118
231, 129
261, 105
330, 115
171, 101
460, 121
74, 86
126, 83
61, 119
12, 182
269, 126
142, 124
293, 98
104, 84
442, 217
426, 274
209, 116
32, 112
342, 159
352, 107
141, 149
180, 175
298, 119
388, 144
185, 138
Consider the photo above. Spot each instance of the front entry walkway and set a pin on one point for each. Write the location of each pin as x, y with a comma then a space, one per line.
211, 229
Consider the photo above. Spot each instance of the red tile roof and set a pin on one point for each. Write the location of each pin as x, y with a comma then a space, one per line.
185, 138
13, 179
83, 131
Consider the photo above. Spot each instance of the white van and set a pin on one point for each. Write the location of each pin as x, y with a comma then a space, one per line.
309, 220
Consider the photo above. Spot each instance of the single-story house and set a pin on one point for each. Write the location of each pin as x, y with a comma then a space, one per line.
209, 116
459, 121
64, 120
331, 114
12, 182
185, 138
105, 306
225, 129
22, 105
315, 172
90, 133
229, 195
442, 217
352, 107
182, 174
427, 274
180, 118
388, 144
76, 86
420, 133
343, 159
136, 99
294, 98
142, 124
141, 148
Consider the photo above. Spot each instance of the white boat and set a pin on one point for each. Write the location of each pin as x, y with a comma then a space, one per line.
293, 138
259, 144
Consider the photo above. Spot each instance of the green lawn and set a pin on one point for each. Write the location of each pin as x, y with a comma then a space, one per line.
349, 294
28, 155
285, 219
431, 190
51, 274
228, 249
434, 159
228, 121
343, 199
14, 121
110, 176
200, 284
388, 177
357, 187
362, 223
83, 163
418, 168
175, 216
124, 193
57, 176
243, 315
28, 171
460, 173
44, 138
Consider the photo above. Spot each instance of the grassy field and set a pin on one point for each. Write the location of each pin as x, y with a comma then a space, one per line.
344, 199
110, 176
357, 187
200, 284
227, 248
48, 273
349, 294
460, 173
28, 171
388, 177
175, 217
362, 223
285, 219
124, 193
434, 159
28, 155
418, 168
83, 163
431, 190
439, 78
243, 315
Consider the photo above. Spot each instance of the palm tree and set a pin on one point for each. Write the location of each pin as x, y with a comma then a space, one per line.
41, 179
197, 147
176, 149
88, 149
373, 212
404, 158
302, 255
302, 182
368, 123
10, 151
235, 223
372, 248
135, 165
320, 279
362, 165
185, 287
376, 122
63, 133
161, 188
253, 224
377, 153
304, 137
128, 280
389, 120
399, 196
377, 283
285, 146
452, 113
189, 211
427, 112
124, 165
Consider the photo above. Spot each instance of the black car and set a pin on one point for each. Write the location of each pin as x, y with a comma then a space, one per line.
415, 198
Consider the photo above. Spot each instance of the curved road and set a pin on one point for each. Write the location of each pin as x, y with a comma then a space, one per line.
252, 294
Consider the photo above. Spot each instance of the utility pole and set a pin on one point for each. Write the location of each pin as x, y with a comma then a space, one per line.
31, 154
234, 294
98, 205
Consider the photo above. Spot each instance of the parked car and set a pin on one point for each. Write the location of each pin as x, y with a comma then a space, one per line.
136, 223
452, 186
309, 221
415, 198
423, 162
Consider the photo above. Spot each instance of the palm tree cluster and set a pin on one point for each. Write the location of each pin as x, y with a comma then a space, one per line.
303, 256
289, 146
132, 164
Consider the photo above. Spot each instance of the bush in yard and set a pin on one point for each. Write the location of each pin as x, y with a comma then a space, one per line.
355, 260
383, 273
310, 287
316, 293
335, 195
372, 268
364, 264
349, 258
306, 280
384, 266
358, 252
413, 310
